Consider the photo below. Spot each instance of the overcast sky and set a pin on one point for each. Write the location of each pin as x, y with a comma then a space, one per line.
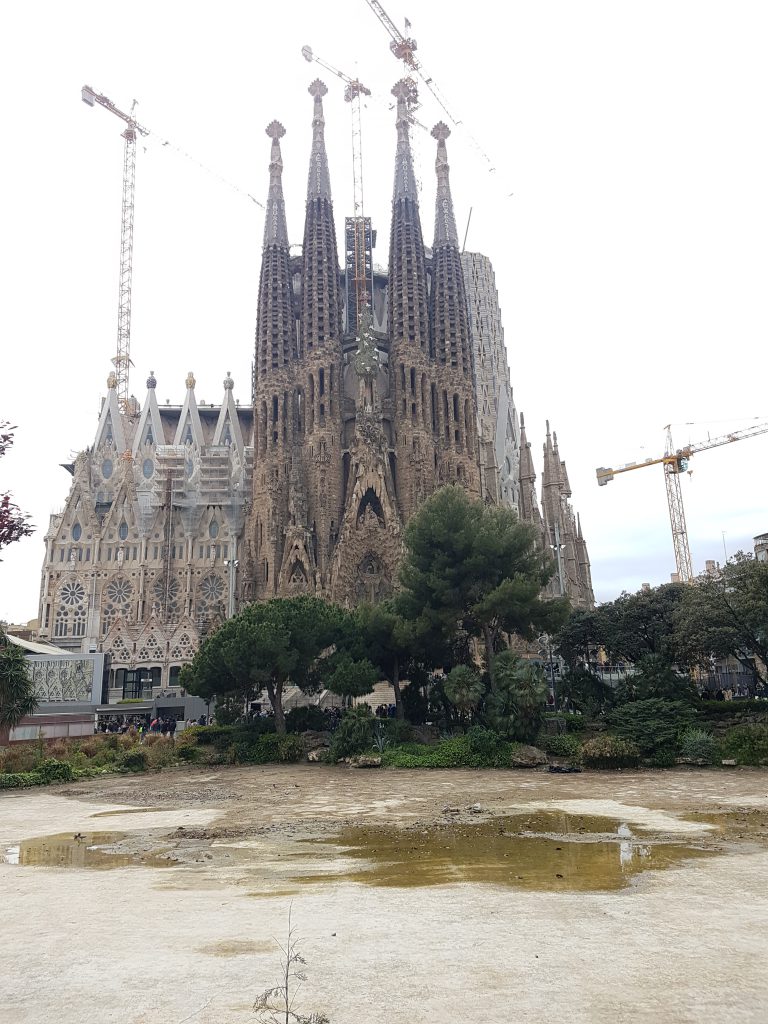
626, 221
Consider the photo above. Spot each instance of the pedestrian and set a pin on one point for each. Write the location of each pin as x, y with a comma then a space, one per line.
172, 726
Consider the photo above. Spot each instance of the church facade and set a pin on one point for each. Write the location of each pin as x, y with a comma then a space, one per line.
178, 514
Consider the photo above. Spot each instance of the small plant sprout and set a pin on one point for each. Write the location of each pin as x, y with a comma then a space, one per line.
277, 1005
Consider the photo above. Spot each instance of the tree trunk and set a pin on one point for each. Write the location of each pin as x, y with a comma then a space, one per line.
488, 636
275, 694
396, 687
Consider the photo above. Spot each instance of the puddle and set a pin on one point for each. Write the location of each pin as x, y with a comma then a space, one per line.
85, 850
127, 810
547, 851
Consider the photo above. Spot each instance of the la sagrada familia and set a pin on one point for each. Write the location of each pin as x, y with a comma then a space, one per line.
177, 515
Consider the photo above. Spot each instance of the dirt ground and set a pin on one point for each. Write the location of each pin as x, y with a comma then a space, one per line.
447, 896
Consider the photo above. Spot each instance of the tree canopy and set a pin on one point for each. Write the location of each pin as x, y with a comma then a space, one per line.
473, 568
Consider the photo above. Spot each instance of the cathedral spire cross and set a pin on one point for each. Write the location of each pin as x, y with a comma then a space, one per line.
275, 227
319, 184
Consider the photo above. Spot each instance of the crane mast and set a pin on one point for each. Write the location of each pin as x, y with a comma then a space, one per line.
122, 357
675, 462
358, 227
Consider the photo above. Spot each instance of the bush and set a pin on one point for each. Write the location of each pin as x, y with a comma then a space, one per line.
748, 744
20, 780
134, 760
661, 759
354, 734
188, 753
573, 722
560, 746
20, 758
654, 725
52, 770
398, 732
302, 719
608, 751
698, 745
160, 754
265, 749
483, 743
714, 709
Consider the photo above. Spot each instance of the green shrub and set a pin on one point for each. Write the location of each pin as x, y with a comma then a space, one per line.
661, 759
654, 725
573, 722
52, 770
728, 708
20, 780
560, 746
302, 719
699, 745
188, 753
608, 751
748, 744
134, 760
354, 734
451, 753
397, 732
20, 758
483, 743
266, 749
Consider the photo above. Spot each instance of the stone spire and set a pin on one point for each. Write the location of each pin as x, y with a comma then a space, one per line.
275, 228
321, 302
404, 92
408, 310
445, 222
529, 507
275, 321
319, 183
450, 321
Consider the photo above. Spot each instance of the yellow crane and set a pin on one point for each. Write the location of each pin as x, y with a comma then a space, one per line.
675, 462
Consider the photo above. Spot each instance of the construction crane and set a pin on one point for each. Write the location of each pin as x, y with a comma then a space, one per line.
358, 230
122, 358
404, 49
675, 462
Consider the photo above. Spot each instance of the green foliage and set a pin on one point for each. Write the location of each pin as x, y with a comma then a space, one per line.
515, 706
188, 753
350, 677
713, 710
727, 614
748, 744
303, 718
266, 749
655, 677
415, 704
484, 743
52, 770
606, 751
479, 748
573, 722
134, 760
17, 695
560, 746
653, 725
20, 780
699, 745
228, 709
586, 692
464, 688
397, 732
472, 568
354, 734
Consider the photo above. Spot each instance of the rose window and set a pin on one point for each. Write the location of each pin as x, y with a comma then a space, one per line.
72, 593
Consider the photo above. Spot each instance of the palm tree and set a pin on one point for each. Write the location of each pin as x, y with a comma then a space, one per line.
17, 696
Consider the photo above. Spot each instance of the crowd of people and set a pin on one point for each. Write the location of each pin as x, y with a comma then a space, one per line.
142, 725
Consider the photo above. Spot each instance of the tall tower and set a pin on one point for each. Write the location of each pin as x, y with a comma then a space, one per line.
412, 386
276, 353
318, 417
450, 341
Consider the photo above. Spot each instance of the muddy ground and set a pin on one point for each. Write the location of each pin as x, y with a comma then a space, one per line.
448, 896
